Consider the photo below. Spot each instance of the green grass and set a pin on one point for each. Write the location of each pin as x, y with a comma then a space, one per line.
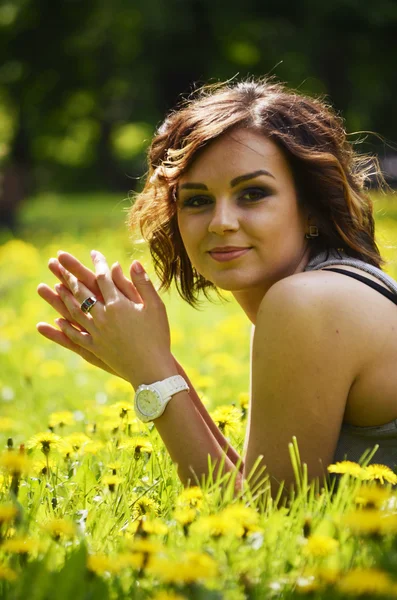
203, 551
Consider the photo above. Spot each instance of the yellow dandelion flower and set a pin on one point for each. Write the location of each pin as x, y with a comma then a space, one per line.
142, 445
40, 466
122, 409
382, 473
145, 546
144, 506
320, 546
45, 441
58, 528
100, 564
76, 440
131, 559
360, 582
15, 462
109, 426
191, 496
92, 447
154, 527
217, 526
7, 573
7, 424
114, 466
111, 481
372, 495
347, 467
61, 418
137, 445
241, 513
370, 521
185, 516
21, 545
243, 400
193, 566
8, 512
170, 595
227, 418
149, 526
66, 450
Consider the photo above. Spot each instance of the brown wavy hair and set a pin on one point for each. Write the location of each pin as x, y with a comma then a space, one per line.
330, 177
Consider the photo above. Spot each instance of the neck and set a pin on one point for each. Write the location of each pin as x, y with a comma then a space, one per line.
250, 299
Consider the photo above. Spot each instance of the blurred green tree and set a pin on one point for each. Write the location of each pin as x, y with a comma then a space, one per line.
83, 84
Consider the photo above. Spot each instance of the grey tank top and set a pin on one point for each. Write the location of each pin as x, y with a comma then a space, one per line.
354, 441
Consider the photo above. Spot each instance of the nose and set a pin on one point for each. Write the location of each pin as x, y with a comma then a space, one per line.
224, 218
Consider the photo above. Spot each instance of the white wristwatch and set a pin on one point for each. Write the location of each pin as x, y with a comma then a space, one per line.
150, 400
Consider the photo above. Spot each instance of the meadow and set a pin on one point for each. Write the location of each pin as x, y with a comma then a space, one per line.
90, 502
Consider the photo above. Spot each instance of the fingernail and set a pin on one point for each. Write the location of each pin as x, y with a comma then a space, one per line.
93, 253
137, 267
58, 287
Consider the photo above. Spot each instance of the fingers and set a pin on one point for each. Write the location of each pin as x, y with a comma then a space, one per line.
55, 301
144, 286
79, 338
57, 336
82, 273
104, 277
73, 304
125, 285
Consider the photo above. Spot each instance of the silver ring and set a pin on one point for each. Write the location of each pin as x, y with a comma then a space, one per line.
88, 304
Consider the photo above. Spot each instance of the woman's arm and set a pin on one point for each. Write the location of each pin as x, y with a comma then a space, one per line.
200, 434
222, 441
304, 362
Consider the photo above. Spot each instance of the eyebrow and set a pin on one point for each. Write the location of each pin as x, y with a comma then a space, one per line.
233, 183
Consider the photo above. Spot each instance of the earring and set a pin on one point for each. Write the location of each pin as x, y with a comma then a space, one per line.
313, 232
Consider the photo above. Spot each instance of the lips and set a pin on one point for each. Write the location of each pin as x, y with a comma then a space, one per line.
228, 253
228, 249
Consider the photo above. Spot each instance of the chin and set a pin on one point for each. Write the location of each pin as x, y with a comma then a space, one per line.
233, 283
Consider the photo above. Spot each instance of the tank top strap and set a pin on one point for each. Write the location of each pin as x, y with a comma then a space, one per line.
333, 257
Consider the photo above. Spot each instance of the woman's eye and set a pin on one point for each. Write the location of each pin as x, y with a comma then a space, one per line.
253, 194
196, 201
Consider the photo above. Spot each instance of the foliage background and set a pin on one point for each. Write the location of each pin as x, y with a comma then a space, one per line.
83, 84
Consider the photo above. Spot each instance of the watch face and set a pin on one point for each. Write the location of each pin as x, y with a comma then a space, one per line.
148, 402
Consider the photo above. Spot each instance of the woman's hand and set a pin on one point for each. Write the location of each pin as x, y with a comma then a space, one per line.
87, 277
126, 331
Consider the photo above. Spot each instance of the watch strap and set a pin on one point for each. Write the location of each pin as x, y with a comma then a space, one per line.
170, 386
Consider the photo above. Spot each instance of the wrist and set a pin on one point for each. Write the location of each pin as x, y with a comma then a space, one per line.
153, 374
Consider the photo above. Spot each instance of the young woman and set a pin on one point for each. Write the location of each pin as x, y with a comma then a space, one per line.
254, 189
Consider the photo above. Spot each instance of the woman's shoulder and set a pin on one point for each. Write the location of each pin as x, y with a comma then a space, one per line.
329, 305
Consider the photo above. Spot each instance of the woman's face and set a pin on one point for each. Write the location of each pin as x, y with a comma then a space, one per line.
239, 192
